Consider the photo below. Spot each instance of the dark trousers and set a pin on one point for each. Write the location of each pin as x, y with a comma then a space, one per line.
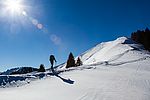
52, 64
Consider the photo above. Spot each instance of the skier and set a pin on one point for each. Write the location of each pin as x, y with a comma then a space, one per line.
52, 59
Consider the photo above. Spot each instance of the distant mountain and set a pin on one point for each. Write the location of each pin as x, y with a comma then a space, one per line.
19, 70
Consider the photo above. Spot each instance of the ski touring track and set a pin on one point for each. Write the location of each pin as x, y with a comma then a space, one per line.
121, 83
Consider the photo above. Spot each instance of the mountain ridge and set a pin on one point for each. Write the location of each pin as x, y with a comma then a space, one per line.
107, 51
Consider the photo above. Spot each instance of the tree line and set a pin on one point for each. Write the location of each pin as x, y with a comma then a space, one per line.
142, 37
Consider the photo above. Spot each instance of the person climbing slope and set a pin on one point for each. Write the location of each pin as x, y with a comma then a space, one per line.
52, 60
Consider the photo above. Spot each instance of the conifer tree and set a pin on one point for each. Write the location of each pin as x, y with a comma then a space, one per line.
70, 61
142, 37
79, 62
42, 68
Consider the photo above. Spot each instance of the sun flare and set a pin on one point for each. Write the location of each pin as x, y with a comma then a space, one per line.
14, 6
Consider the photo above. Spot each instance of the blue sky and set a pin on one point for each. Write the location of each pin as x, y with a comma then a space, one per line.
67, 26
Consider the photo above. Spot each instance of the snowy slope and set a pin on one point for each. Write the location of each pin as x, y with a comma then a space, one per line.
116, 70
117, 50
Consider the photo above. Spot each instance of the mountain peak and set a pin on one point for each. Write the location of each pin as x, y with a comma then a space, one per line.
115, 50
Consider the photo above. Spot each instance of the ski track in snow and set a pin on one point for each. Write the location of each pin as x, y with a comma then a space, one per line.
108, 63
120, 87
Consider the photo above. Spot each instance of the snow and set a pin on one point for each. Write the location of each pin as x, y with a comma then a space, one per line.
120, 71
113, 51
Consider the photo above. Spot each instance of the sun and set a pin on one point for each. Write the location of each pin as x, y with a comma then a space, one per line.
14, 6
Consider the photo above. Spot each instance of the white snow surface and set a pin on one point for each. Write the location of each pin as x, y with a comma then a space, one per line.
115, 70
112, 51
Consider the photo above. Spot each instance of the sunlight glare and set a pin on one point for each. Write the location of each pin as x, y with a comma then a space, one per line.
14, 6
